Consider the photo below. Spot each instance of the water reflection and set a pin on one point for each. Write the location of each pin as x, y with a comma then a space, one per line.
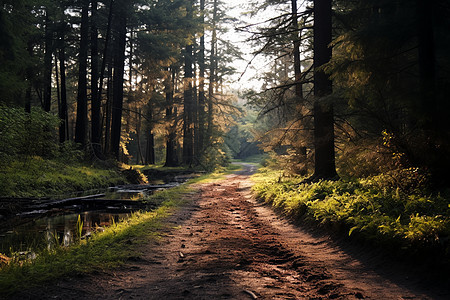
46, 232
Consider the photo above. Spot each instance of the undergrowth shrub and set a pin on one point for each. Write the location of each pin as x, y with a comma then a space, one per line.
27, 133
214, 157
383, 216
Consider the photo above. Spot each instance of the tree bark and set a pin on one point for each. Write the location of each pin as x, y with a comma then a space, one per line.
297, 61
171, 124
29, 79
105, 51
212, 74
201, 85
47, 97
95, 97
188, 130
63, 114
118, 81
82, 120
150, 149
108, 111
324, 166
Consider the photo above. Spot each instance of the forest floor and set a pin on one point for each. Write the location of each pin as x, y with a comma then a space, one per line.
224, 244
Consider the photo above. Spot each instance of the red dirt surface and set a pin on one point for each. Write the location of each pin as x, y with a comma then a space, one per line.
225, 245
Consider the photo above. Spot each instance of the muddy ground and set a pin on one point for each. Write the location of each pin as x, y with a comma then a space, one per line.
226, 245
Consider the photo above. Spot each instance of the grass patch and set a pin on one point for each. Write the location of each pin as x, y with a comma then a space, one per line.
411, 224
38, 177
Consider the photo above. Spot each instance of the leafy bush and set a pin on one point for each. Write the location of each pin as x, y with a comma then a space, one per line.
379, 215
27, 134
214, 157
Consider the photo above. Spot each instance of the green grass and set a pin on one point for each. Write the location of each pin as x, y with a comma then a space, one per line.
404, 223
38, 177
106, 250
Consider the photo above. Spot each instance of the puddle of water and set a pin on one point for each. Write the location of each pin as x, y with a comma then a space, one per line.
46, 232
46, 226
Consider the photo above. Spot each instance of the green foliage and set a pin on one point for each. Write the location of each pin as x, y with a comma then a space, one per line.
383, 216
27, 134
134, 176
38, 177
214, 157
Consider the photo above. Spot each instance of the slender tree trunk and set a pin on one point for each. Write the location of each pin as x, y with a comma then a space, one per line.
63, 114
150, 149
95, 97
188, 125
188, 135
58, 87
171, 124
29, 80
108, 111
82, 120
212, 74
201, 85
47, 99
324, 167
195, 110
297, 62
105, 51
118, 81
139, 157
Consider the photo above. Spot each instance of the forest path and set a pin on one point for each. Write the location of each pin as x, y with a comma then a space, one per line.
225, 245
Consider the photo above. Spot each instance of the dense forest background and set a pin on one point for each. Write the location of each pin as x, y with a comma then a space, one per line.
355, 88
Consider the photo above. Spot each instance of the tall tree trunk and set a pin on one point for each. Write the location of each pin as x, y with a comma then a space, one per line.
324, 167
82, 120
188, 136
47, 98
297, 62
150, 149
212, 74
118, 81
58, 87
188, 125
95, 98
63, 114
195, 109
108, 111
139, 156
201, 85
171, 123
29, 80
105, 52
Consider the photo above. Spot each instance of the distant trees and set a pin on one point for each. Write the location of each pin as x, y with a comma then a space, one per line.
108, 64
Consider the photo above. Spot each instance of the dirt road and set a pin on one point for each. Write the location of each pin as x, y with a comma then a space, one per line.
225, 245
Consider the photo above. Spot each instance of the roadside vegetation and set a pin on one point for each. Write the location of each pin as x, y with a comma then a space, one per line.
104, 250
414, 223
34, 164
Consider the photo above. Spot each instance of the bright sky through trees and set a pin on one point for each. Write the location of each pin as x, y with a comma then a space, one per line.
246, 75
